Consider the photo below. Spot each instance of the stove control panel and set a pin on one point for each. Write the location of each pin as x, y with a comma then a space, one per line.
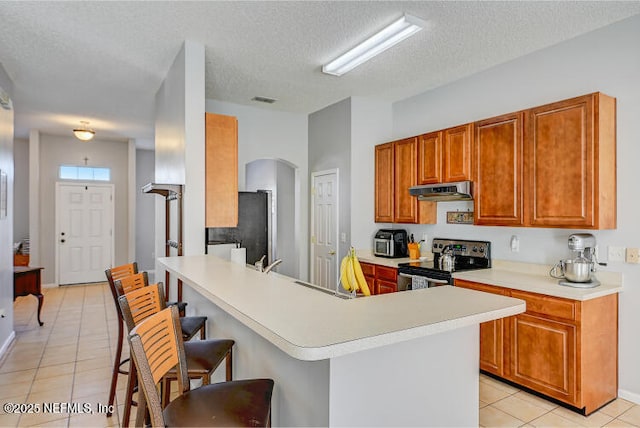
462, 247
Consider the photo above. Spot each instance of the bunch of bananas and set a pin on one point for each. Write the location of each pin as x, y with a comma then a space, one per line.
351, 275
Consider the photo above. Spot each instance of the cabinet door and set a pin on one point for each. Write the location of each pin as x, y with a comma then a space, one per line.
492, 343
543, 356
430, 158
457, 154
498, 169
383, 287
384, 183
405, 176
221, 171
559, 159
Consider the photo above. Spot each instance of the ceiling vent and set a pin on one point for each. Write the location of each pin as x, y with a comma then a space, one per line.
264, 100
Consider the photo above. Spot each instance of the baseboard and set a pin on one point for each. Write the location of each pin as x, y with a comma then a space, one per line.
51, 285
629, 396
7, 344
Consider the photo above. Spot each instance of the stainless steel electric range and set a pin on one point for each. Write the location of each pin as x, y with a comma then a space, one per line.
449, 255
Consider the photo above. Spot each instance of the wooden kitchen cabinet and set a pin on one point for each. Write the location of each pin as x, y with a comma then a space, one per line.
498, 171
445, 156
380, 279
396, 171
570, 163
491, 333
456, 163
221, 171
565, 349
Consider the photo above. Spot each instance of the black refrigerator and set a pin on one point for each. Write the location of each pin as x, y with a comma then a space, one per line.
252, 232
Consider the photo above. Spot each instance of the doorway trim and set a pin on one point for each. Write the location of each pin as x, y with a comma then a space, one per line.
314, 175
57, 225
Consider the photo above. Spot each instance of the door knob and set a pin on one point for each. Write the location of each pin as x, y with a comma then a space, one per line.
332, 253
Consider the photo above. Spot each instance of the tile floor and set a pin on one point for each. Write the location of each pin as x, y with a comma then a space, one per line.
69, 359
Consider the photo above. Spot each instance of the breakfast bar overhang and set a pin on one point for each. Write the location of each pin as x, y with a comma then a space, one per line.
400, 359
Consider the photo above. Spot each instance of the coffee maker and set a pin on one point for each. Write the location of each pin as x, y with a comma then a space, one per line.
578, 271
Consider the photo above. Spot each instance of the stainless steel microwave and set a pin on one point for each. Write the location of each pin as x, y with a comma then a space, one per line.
390, 243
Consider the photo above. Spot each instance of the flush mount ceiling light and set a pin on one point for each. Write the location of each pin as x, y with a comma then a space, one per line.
84, 133
374, 45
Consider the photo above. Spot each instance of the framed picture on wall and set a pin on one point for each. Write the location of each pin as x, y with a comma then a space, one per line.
3, 195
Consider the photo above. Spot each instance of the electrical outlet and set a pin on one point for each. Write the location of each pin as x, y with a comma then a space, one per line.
616, 254
633, 255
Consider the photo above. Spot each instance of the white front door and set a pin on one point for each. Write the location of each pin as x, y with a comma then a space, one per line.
324, 239
84, 232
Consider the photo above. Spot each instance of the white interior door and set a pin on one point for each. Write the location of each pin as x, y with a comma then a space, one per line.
324, 240
84, 231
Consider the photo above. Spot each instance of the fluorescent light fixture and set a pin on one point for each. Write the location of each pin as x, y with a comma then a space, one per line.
404, 27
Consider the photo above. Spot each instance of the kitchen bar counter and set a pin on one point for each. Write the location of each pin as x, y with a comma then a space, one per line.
536, 279
398, 359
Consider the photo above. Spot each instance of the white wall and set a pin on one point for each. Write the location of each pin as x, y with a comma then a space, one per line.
55, 151
264, 133
371, 124
606, 60
6, 224
21, 189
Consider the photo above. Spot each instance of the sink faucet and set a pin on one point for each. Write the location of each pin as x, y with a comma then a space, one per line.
275, 263
260, 267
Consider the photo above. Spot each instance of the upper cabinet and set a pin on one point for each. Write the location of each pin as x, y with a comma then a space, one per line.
497, 171
570, 163
221, 171
456, 157
445, 156
396, 169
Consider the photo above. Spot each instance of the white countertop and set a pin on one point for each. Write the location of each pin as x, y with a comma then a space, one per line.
368, 257
535, 279
310, 325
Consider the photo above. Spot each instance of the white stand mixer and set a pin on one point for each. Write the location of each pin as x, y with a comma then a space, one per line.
578, 272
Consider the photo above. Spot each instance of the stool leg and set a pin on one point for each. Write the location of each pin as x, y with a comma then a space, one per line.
116, 367
203, 334
128, 399
229, 365
166, 391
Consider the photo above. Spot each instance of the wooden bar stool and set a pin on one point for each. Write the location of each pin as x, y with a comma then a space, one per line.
190, 325
157, 348
202, 356
115, 274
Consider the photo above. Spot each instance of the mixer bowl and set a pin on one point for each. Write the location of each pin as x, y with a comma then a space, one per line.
577, 270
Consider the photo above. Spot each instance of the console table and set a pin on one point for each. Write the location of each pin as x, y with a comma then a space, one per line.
26, 280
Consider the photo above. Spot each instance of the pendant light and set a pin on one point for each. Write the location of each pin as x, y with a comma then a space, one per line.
84, 133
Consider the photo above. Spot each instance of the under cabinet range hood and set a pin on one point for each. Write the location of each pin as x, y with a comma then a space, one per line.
458, 191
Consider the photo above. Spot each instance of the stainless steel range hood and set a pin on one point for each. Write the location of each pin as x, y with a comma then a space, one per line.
458, 191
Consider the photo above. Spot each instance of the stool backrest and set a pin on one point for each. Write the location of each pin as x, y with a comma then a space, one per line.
118, 272
130, 283
156, 347
137, 305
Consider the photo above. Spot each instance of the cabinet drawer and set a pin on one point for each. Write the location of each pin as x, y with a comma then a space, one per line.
547, 305
480, 287
368, 269
383, 272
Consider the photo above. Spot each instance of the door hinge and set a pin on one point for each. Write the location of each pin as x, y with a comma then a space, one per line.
313, 239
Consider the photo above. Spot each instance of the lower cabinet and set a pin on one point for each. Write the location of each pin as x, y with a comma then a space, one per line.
562, 348
381, 279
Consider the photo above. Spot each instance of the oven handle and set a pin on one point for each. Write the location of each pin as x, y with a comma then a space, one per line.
437, 281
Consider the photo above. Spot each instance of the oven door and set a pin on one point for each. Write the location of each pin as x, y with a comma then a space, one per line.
413, 282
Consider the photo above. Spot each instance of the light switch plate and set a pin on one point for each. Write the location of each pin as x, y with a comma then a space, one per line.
616, 254
633, 255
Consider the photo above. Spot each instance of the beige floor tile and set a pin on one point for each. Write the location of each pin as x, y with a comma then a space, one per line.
94, 363
10, 420
519, 408
44, 420
594, 420
534, 399
617, 423
14, 389
65, 369
617, 407
56, 360
63, 382
482, 404
631, 416
493, 417
58, 395
552, 420
490, 394
17, 376
12, 365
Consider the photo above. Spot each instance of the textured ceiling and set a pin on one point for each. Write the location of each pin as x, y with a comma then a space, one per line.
104, 61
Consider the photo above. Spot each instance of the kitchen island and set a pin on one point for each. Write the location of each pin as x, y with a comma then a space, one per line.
401, 359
